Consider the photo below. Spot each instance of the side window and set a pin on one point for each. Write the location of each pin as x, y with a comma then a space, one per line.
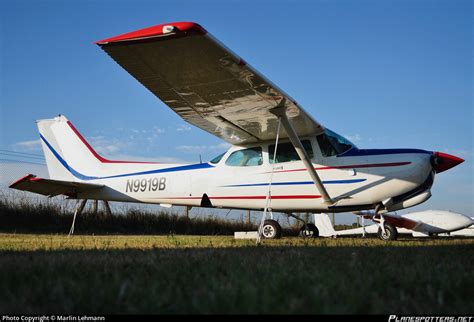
325, 145
286, 152
245, 158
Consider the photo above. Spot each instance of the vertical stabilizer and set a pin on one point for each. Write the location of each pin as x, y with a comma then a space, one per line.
68, 156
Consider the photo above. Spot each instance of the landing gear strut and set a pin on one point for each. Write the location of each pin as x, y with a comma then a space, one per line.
386, 230
308, 230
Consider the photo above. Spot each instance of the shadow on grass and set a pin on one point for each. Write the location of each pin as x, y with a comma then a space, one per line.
240, 279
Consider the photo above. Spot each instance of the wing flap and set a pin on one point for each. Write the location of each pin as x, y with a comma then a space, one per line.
205, 83
51, 188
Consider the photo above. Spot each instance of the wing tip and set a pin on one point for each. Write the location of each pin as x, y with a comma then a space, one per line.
155, 31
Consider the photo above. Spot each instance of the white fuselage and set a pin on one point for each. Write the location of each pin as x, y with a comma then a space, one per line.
355, 181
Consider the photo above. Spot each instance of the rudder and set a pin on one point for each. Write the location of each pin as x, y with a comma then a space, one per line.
68, 156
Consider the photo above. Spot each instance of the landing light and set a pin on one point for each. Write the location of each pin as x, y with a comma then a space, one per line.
167, 29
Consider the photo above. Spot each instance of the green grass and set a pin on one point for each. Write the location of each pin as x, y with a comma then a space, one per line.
217, 274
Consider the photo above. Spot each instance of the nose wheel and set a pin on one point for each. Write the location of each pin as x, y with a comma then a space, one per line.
389, 233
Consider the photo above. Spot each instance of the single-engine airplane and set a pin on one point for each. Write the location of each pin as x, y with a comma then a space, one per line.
419, 224
281, 159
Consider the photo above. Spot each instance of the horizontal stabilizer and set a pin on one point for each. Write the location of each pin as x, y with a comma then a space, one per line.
51, 188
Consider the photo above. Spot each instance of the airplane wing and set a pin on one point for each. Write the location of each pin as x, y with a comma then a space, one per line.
401, 222
205, 83
51, 188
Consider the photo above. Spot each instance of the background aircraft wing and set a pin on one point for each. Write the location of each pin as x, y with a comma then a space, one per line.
400, 221
51, 188
205, 83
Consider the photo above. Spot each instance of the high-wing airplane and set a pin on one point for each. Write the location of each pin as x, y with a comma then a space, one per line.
419, 224
281, 159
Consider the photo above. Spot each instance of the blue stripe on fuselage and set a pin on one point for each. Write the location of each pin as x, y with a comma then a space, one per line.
294, 183
85, 177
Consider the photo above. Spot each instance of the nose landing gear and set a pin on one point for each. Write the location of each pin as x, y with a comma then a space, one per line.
389, 232
386, 230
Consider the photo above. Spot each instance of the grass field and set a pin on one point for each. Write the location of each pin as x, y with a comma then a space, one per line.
216, 274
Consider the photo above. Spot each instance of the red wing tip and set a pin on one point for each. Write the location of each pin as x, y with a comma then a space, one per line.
154, 31
25, 178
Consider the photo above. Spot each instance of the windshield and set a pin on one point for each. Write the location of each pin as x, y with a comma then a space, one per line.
332, 143
217, 159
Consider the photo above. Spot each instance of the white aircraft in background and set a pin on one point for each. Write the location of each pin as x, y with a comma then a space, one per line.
419, 224
281, 159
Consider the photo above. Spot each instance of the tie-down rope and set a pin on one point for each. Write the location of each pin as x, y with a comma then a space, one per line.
268, 198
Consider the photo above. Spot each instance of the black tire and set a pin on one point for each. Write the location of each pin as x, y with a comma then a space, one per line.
309, 231
271, 229
391, 233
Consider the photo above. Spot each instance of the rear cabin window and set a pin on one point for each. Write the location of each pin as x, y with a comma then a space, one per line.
287, 153
245, 158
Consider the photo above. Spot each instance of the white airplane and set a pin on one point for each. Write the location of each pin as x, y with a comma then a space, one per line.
419, 224
466, 232
313, 170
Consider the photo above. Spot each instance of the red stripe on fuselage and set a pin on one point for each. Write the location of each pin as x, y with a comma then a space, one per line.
96, 155
352, 166
252, 197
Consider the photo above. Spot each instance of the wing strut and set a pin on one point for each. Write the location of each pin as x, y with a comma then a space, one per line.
280, 111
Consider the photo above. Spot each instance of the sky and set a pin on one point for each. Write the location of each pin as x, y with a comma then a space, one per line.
386, 74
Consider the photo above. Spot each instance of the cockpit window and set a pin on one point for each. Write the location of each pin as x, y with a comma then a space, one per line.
286, 152
332, 143
245, 158
217, 159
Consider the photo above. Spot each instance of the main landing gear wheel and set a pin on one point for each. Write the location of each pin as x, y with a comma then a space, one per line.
391, 232
271, 229
309, 231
